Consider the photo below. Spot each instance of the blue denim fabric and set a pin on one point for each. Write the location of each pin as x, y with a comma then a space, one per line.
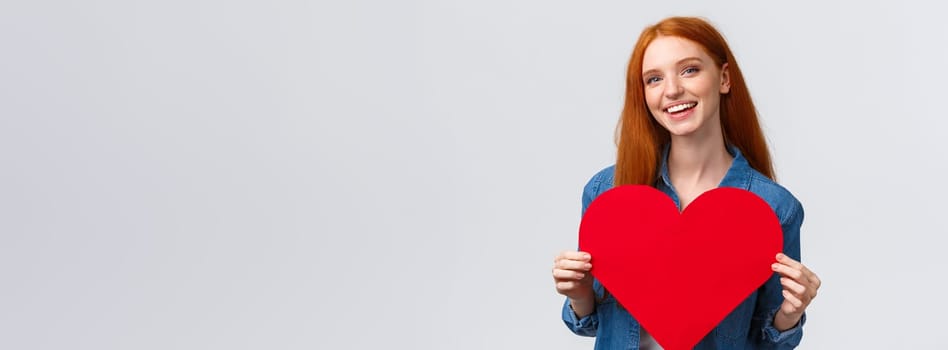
750, 325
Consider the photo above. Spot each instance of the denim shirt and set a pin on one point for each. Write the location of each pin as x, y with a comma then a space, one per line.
750, 325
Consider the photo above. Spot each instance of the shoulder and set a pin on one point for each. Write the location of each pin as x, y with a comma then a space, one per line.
787, 207
601, 182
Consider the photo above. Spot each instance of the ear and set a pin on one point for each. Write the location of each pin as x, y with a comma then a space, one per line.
725, 79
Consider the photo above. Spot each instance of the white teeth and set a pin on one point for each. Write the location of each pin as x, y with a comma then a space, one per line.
679, 108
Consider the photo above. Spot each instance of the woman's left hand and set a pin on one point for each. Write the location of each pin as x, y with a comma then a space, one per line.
799, 289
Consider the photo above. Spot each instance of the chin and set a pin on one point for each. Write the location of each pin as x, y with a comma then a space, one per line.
681, 130
681, 134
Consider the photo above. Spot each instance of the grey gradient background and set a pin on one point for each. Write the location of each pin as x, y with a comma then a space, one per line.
370, 174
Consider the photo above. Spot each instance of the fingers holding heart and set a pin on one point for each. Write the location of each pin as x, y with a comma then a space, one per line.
576, 265
799, 284
791, 304
562, 274
794, 295
571, 274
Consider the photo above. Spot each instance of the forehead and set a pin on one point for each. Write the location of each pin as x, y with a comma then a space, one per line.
668, 50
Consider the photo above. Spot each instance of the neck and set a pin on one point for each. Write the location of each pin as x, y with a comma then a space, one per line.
698, 160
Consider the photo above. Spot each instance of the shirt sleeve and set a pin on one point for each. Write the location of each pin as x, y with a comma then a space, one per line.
790, 337
587, 325
771, 297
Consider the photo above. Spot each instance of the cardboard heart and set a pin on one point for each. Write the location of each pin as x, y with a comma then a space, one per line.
679, 275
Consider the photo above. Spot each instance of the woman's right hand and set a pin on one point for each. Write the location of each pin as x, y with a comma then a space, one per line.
572, 277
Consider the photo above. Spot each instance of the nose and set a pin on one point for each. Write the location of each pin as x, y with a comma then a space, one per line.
673, 88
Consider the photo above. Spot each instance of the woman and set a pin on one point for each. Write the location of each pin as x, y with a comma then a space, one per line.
689, 126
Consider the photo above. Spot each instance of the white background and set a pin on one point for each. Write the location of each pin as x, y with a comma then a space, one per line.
370, 174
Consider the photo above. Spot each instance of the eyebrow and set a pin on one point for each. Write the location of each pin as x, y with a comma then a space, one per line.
654, 70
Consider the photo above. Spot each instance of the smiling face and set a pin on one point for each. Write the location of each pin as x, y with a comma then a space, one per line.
683, 86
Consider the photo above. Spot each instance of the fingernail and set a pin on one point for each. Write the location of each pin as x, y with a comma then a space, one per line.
774, 266
588, 266
586, 256
780, 255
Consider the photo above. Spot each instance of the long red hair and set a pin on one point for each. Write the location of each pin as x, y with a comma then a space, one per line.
640, 138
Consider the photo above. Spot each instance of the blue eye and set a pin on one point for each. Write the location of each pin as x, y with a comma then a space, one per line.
651, 80
690, 70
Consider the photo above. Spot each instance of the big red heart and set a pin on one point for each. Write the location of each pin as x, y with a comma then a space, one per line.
679, 275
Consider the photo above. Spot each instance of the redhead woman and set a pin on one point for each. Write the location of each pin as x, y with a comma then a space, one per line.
689, 126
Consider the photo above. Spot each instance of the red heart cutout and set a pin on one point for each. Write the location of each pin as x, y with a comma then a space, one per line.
679, 275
